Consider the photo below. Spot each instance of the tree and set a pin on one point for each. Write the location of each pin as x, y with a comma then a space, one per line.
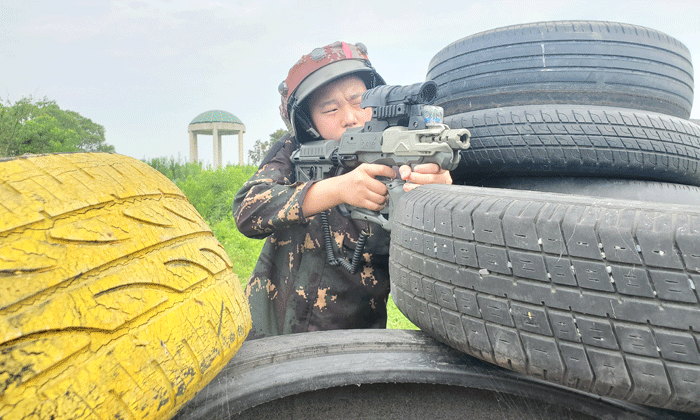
260, 149
30, 126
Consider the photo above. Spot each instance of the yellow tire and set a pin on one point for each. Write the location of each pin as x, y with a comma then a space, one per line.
116, 300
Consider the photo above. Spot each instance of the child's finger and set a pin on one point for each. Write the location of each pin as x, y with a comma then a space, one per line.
427, 168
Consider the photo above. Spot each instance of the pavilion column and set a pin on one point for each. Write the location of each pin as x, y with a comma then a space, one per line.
193, 147
216, 138
240, 148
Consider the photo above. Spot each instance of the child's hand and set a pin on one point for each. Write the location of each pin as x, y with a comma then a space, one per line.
359, 187
427, 173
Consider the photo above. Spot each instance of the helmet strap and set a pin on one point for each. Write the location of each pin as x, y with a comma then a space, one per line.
304, 121
313, 133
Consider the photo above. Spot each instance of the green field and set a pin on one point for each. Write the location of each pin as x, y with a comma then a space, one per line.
212, 193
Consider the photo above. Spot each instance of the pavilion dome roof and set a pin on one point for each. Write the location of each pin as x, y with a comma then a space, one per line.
215, 115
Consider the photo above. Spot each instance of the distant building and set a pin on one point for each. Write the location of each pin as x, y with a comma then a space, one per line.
216, 123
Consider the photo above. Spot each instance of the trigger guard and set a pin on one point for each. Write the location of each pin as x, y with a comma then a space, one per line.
344, 211
371, 216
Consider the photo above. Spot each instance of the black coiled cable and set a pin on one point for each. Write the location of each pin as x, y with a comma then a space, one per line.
354, 266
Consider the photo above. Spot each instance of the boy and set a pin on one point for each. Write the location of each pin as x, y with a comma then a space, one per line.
294, 288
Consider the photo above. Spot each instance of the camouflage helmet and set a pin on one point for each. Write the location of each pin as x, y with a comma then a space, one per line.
316, 69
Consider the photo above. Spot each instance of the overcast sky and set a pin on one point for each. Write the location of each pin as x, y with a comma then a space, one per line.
145, 69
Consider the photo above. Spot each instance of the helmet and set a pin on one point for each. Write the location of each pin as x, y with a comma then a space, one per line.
314, 70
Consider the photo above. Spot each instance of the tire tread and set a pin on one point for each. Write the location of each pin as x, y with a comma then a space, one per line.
110, 257
583, 330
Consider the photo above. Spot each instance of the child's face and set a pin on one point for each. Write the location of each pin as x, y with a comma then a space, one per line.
335, 107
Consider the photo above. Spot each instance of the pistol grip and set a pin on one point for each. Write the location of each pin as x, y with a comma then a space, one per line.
383, 218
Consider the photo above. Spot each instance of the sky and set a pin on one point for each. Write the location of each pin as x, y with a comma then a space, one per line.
145, 69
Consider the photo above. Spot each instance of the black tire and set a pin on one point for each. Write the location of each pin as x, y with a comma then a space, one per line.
624, 189
380, 374
595, 294
577, 140
567, 62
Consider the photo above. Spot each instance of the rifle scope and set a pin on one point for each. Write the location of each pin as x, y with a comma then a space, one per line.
417, 93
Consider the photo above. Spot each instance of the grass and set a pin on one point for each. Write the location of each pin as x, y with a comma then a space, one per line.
395, 319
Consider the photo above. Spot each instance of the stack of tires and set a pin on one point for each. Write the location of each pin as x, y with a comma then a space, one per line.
579, 263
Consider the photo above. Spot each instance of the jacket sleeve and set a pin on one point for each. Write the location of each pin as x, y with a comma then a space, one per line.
271, 199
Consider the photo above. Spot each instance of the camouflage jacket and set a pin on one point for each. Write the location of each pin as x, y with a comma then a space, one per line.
293, 288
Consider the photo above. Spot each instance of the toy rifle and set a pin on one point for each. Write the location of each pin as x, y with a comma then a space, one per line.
404, 130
